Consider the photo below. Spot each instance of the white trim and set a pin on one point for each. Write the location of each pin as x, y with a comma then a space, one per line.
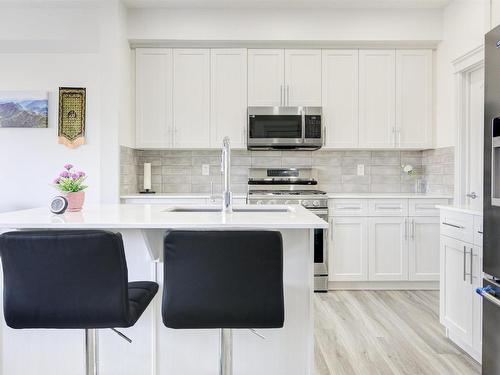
303, 44
383, 285
469, 59
462, 67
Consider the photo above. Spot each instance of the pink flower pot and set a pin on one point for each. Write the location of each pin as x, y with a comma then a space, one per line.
75, 201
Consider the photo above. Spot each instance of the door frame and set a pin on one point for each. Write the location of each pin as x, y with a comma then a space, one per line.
463, 66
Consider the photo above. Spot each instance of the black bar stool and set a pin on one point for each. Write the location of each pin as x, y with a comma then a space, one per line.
224, 280
71, 279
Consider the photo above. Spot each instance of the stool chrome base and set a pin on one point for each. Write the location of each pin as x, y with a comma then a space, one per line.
91, 352
226, 352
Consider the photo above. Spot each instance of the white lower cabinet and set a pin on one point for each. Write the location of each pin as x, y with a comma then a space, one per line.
349, 251
387, 249
460, 275
376, 240
423, 248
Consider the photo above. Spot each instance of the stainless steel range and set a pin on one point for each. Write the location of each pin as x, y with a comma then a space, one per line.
295, 186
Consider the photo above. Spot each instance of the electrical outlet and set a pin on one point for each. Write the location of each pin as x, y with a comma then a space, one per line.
205, 169
361, 169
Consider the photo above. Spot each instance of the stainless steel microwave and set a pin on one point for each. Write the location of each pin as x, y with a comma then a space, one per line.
284, 128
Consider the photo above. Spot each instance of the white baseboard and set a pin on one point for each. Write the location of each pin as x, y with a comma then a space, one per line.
383, 285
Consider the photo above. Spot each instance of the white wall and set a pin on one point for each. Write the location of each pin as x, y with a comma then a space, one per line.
47, 45
286, 24
464, 24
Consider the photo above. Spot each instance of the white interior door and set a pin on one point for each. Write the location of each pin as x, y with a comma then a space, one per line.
474, 138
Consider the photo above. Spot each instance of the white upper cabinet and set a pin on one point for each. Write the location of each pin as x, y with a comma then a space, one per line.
340, 98
191, 92
414, 98
153, 97
377, 128
228, 96
266, 76
302, 77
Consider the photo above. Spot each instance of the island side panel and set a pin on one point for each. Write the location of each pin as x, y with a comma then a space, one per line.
286, 351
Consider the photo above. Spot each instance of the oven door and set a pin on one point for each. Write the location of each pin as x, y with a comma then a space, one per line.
320, 254
275, 127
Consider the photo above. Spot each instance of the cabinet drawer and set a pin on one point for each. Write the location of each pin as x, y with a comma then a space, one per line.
348, 207
388, 207
478, 230
457, 225
425, 207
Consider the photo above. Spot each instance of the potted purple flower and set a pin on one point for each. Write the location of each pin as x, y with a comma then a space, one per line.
71, 185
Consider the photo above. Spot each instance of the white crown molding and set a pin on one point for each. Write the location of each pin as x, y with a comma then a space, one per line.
351, 44
469, 59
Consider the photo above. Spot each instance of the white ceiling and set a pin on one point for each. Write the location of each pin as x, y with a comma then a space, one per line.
315, 4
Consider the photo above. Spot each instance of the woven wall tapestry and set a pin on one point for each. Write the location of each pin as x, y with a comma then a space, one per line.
72, 103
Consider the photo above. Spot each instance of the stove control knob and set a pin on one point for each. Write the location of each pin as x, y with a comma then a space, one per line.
260, 202
315, 203
306, 203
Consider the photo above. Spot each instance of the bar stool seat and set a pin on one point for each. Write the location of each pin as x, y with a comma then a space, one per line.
71, 279
223, 280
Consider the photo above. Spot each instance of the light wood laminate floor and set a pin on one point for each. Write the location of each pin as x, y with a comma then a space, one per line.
384, 332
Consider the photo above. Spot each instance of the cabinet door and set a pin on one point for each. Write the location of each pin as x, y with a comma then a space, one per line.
266, 77
455, 289
387, 249
153, 97
191, 90
377, 74
348, 250
340, 97
414, 98
477, 300
303, 77
228, 96
423, 248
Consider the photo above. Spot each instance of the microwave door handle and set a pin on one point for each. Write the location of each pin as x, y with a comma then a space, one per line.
303, 116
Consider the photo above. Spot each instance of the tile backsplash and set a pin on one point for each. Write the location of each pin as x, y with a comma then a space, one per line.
180, 171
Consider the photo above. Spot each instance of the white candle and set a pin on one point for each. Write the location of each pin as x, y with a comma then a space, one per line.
147, 176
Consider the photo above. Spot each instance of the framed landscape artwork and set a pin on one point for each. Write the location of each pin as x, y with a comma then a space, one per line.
24, 109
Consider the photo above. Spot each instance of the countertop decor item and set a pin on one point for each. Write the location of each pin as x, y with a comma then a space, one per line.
23, 109
71, 184
147, 179
72, 102
58, 205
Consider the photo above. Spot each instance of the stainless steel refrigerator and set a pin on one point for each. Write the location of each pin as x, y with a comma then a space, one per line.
491, 209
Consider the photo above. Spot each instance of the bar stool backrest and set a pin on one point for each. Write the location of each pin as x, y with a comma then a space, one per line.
64, 279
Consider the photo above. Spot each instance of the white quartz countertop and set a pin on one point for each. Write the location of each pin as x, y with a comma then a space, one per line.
330, 195
178, 196
463, 209
159, 216
387, 195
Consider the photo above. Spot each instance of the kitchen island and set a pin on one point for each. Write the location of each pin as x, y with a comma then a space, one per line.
155, 348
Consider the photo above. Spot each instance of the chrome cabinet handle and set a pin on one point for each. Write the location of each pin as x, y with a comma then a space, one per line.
324, 135
347, 207
480, 231
281, 94
413, 229
465, 261
331, 230
471, 268
472, 195
453, 225
287, 95
389, 207
406, 229
394, 136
